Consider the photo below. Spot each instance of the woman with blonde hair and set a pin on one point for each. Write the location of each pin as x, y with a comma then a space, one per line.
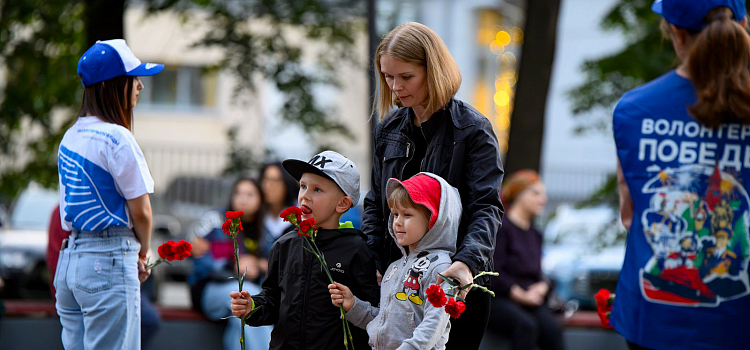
431, 131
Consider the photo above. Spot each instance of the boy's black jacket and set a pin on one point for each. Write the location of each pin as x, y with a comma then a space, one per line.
295, 295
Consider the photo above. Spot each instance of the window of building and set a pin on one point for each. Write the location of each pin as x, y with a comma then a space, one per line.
180, 87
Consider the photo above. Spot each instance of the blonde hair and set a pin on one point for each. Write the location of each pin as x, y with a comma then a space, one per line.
415, 43
400, 197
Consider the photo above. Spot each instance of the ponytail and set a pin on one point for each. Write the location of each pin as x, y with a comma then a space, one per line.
719, 66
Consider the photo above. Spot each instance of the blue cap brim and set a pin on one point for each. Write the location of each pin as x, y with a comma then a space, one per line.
146, 69
657, 6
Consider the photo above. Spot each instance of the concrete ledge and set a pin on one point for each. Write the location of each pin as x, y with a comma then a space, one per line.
46, 308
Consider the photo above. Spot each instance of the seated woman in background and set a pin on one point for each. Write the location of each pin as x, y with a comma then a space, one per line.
214, 263
279, 192
519, 310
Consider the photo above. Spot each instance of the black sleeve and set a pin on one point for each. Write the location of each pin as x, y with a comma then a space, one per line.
372, 219
365, 286
484, 177
270, 296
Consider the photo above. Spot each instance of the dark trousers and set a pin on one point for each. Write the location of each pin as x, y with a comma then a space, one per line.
150, 320
467, 331
526, 327
633, 346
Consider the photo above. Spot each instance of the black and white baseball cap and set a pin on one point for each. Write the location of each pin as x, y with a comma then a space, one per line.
332, 166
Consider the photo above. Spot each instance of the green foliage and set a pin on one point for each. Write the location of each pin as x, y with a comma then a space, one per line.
271, 53
40, 43
645, 56
241, 158
42, 40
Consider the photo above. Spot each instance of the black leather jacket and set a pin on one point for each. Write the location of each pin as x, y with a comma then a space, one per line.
463, 149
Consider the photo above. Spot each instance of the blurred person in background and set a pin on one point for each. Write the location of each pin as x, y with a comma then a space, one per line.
104, 200
280, 192
150, 318
518, 309
431, 131
214, 263
683, 174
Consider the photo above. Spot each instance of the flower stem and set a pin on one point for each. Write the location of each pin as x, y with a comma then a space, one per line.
239, 281
318, 254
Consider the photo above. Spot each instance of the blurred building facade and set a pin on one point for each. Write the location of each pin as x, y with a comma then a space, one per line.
184, 113
574, 166
485, 38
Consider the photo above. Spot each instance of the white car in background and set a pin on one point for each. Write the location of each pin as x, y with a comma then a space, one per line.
583, 251
23, 244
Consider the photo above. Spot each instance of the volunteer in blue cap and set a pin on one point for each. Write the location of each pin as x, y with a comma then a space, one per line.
683, 143
104, 200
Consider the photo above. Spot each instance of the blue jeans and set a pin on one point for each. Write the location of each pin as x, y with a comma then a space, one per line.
98, 292
215, 303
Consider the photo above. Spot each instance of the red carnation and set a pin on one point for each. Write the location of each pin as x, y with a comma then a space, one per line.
226, 226
183, 250
234, 214
436, 296
455, 308
292, 213
166, 249
602, 299
306, 225
172, 250
240, 227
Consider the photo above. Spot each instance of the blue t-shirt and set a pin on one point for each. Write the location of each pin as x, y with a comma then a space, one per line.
684, 282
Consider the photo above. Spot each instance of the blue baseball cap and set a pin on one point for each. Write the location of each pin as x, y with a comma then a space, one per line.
689, 14
110, 59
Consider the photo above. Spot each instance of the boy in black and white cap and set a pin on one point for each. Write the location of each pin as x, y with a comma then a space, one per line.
295, 295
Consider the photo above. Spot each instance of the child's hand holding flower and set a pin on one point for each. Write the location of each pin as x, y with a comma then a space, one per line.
341, 295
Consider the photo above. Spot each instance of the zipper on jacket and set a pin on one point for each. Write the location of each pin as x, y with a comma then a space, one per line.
408, 147
304, 296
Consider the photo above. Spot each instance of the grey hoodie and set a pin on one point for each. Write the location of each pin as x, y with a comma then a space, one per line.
406, 319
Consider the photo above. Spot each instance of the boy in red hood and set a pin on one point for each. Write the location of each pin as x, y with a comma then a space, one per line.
425, 213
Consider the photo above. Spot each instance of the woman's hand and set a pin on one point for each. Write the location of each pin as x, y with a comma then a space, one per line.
263, 265
541, 288
252, 264
462, 273
341, 295
143, 272
201, 246
525, 297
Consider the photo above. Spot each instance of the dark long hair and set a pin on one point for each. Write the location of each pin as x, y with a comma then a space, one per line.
110, 101
290, 184
252, 229
719, 66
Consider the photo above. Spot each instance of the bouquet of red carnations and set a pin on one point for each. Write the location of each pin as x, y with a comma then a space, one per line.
604, 300
171, 251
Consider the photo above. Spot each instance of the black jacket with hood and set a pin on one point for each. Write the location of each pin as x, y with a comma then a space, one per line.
462, 149
295, 295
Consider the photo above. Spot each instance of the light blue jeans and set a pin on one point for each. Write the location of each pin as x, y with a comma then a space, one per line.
215, 303
98, 292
